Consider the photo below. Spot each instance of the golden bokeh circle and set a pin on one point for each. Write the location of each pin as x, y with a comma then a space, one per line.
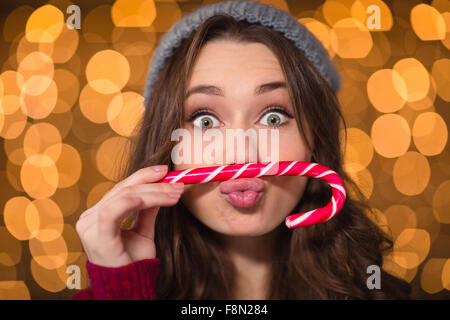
94, 105
386, 90
51, 220
430, 279
427, 101
50, 254
12, 82
427, 22
359, 148
36, 63
133, 13
335, 10
64, 47
52, 280
441, 202
411, 173
13, 124
411, 247
104, 79
39, 137
39, 96
441, 75
415, 77
390, 266
391, 135
9, 105
400, 217
430, 133
350, 39
446, 275
45, 24
39, 176
124, 112
446, 40
21, 218
68, 163
14, 290
108, 157
24, 48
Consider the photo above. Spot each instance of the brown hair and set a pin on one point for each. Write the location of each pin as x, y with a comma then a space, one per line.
325, 261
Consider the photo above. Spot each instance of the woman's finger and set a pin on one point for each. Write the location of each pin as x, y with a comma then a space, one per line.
142, 176
131, 190
153, 187
114, 212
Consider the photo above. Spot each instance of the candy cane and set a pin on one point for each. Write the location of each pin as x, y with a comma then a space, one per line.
279, 168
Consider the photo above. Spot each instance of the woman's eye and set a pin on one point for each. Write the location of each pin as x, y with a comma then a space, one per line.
273, 119
206, 122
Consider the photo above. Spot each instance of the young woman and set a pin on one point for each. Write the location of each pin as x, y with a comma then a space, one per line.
194, 242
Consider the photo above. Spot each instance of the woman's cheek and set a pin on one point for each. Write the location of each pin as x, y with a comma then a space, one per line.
285, 193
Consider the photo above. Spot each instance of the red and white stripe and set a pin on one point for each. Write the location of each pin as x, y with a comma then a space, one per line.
279, 168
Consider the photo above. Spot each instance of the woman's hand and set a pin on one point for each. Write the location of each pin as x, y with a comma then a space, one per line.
104, 242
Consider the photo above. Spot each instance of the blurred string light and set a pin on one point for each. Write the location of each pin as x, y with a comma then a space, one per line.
44, 25
133, 13
66, 117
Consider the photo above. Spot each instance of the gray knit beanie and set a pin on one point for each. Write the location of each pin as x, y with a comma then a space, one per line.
253, 12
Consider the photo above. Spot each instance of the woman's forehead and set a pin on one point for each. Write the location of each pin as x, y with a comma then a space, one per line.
226, 60
234, 69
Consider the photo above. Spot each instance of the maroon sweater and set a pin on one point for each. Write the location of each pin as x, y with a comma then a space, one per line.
134, 281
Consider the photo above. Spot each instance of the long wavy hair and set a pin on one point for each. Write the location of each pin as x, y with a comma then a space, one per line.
324, 261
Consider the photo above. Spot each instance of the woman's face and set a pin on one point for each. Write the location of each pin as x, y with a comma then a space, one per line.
257, 206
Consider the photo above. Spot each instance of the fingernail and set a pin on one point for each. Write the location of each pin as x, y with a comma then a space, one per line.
160, 168
174, 194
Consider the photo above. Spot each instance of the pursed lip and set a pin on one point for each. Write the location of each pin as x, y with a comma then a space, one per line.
242, 192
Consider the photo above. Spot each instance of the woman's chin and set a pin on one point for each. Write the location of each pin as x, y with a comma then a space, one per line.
242, 224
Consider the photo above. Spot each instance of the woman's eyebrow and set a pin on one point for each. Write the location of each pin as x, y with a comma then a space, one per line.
213, 90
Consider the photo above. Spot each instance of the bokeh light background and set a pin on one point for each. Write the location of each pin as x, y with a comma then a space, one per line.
70, 98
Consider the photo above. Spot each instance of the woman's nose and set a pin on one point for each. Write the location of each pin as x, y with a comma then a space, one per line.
245, 142
241, 145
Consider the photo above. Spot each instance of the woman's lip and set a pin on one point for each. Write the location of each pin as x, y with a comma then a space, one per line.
243, 199
242, 184
242, 192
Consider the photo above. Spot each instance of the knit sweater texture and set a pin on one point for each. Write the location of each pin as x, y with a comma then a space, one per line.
134, 281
